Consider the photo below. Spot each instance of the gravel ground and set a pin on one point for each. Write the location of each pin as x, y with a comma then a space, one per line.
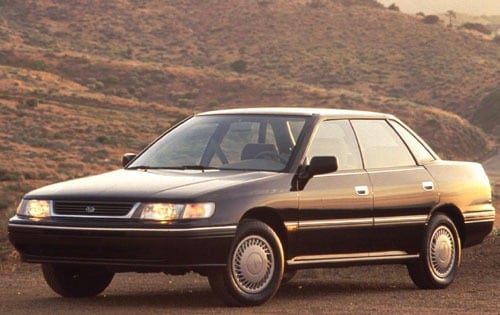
368, 289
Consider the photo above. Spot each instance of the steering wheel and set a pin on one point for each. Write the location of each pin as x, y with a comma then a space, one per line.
268, 155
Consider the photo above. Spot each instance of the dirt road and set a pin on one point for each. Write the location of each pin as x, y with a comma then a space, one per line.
379, 289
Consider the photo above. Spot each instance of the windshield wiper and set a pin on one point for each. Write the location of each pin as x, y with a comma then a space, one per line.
197, 167
182, 167
140, 167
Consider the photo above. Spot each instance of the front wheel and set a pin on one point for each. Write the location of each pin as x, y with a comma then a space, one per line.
440, 254
288, 275
254, 269
70, 280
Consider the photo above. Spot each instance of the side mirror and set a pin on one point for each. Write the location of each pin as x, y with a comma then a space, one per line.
127, 157
322, 165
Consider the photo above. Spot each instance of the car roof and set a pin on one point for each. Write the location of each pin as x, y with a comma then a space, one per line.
300, 111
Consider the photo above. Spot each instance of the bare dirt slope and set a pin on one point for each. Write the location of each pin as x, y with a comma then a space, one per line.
492, 168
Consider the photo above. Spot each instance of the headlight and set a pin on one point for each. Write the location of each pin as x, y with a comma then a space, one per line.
34, 208
171, 211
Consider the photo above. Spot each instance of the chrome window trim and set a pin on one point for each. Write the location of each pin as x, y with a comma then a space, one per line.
342, 173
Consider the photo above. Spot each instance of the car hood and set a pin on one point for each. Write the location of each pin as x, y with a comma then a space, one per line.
149, 185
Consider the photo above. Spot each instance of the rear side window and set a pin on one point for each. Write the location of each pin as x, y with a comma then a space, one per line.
417, 148
380, 145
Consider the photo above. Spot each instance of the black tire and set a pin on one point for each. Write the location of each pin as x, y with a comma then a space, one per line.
437, 266
70, 280
254, 268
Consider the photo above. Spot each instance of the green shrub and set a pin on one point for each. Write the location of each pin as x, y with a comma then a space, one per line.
38, 65
6, 175
264, 3
478, 27
111, 79
101, 154
103, 139
488, 113
431, 19
213, 104
316, 4
56, 14
366, 3
32, 102
239, 66
185, 103
393, 7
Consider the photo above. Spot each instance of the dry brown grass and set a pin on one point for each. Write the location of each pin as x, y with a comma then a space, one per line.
361, 48
80, 84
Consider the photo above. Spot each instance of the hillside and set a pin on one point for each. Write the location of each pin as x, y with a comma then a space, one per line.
328, 45
481, 7
82, 82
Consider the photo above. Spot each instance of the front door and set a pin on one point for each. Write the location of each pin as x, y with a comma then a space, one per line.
335, 210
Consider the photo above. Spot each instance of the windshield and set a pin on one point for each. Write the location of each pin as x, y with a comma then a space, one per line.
229, 142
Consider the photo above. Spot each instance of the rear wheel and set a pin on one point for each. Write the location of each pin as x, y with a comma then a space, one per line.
254, 269
76, 280
440, 254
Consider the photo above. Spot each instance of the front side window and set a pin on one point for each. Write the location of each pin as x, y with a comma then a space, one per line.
231, 142
336, 138
380, 146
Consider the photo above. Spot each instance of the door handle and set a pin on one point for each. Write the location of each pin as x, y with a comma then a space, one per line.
428, 186
361, 190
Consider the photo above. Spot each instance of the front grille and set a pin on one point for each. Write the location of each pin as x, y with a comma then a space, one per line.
90, 208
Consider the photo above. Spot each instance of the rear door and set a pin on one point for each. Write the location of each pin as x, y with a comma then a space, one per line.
403, 190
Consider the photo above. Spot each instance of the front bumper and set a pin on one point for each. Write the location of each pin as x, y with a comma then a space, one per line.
126, 245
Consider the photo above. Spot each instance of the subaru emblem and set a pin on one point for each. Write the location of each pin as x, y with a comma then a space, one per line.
90, 209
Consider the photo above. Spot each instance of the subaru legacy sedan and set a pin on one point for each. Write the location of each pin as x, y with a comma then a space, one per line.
247, 197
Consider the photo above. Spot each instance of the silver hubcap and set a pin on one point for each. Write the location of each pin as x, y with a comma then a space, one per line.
442, 252
253, 264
